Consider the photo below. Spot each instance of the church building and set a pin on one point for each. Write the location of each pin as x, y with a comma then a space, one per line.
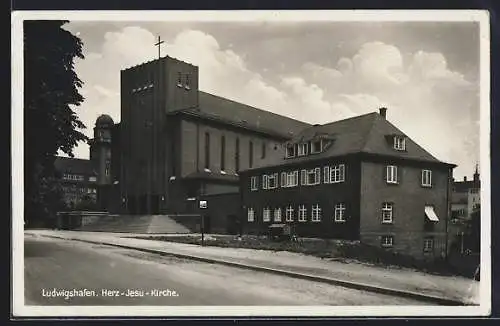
175, 143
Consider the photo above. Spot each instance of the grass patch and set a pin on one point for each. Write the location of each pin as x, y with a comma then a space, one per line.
339, 250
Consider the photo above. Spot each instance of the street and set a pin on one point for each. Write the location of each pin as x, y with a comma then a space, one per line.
62, 272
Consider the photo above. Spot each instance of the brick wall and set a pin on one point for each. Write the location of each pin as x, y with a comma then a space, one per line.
409, 199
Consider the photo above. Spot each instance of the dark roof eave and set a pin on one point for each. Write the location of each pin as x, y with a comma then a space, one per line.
221, 120
313, 159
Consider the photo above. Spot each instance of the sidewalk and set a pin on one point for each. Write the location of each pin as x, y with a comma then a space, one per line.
452, 288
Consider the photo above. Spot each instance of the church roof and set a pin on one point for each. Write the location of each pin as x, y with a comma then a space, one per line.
74, 166
227, 111
368, 133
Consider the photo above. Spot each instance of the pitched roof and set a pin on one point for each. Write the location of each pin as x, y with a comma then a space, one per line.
74, 165
366, 133
244, 116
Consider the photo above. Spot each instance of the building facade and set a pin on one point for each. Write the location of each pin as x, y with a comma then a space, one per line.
360, 179
86, 182
79, 181
466, 197
178, 143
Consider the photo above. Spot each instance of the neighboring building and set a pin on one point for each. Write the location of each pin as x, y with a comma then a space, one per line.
466, 197
88, 179
179, 143
358, 178
79, 180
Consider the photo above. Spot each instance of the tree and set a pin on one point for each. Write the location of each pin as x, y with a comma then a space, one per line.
50, 124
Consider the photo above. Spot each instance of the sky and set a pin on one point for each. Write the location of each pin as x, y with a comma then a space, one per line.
425, 73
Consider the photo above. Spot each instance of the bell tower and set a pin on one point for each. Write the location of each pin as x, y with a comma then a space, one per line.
100, 150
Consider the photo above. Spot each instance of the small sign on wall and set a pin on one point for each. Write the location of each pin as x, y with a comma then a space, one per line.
203, 204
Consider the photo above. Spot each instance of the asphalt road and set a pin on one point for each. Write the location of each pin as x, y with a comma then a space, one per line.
103, 275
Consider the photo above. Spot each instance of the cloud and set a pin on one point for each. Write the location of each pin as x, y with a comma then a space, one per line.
432, 103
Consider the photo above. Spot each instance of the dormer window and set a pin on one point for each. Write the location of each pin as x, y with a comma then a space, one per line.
316, 146
399, 143
302, 149
290, 151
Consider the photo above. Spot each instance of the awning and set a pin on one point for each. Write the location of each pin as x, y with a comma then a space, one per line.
431, 214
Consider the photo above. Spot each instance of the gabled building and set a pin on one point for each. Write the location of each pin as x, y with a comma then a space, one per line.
359, 178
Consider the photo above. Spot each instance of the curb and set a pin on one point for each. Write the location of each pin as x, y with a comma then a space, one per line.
328, 280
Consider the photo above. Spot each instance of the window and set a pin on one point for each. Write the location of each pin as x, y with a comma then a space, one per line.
179, 79
326, 174
277, 215
387, 213
250, 154
207, 151
392, 174
290, 151
387, 241
251, 215
289, 214
428, 244
272, 181
313, 176
302, 149
92, 179
188, 83
340, 212
237, 155
266, 216
303, 177
265, 182
426, 178
292, 178
263, 150
254, 183
399, 143
337, 173
223, 153
316, 146
106, 170
316, 213
302, 213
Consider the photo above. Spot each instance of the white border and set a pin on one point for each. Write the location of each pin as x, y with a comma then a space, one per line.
19, 309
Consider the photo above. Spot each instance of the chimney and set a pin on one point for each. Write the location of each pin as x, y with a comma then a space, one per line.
383, 112
465, 178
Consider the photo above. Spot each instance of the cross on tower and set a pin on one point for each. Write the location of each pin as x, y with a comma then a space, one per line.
158, 44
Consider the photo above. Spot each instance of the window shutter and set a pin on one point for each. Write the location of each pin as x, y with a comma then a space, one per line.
317, 175
399, 174
384, 173
264, 181
295, 177
342, 172
283, 179
302, 177
326, 174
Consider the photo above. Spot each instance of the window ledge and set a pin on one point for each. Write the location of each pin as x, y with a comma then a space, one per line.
391, 222
426, 186
339, 221
392, 183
